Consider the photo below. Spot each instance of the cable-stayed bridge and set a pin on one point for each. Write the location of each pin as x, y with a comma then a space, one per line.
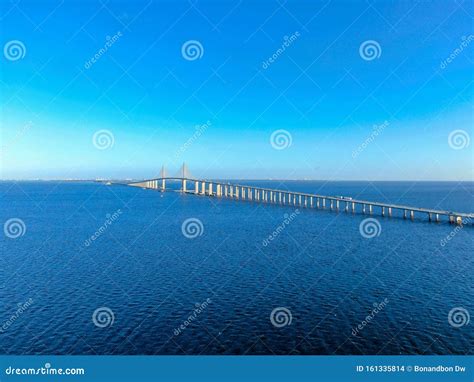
241, 192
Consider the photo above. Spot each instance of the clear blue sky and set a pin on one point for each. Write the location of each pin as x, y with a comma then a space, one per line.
319, 89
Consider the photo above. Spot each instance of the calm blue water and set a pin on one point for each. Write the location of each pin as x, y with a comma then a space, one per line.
150, 275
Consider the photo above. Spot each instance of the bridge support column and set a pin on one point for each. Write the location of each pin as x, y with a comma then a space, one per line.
412, 214
163, 184
196, 187
237, 192
299, 200
243, 193
390, 211
353, 207
337, 205
347, 207
451, 219
430, 218
459, 220
383, 211
183, 186
324, 203
363, 208
210, 189
317, 202
311, 201
203, 188
370, 209
437, 218
404, 214
331, 206
294, 199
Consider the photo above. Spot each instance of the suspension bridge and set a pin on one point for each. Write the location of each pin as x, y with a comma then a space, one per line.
241, 192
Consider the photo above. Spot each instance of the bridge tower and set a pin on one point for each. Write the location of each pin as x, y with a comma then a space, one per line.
163, 176
184, 176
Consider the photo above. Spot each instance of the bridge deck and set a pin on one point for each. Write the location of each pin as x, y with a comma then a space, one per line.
308, 195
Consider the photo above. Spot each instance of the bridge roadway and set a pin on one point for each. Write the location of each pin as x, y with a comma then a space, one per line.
262, 194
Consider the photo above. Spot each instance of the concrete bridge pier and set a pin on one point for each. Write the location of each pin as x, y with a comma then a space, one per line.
412, 214
404, 214
210, 189
203, 188
347, 207
451, 219
353, 207
437, 218
390, 211
383, 211
370, 209
324, 203
430, 218
163, 184
337, 205
183, 185
363, 208
237, 192
196, 187
299, 200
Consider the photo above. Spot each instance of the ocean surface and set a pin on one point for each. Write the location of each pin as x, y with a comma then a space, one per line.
97, 269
